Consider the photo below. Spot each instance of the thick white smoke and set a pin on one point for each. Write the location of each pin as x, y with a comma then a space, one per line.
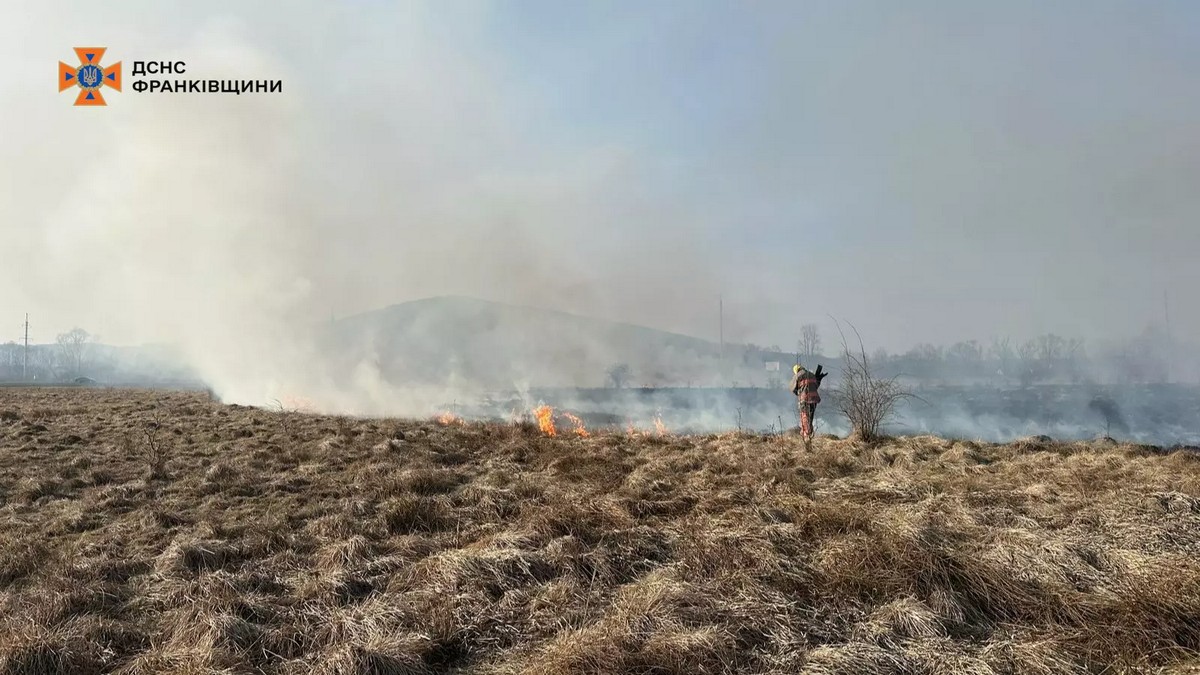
192, 226
860, 161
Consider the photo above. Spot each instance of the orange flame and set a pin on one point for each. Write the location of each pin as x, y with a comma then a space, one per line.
659, 427
545, 418
579, 429
447, 418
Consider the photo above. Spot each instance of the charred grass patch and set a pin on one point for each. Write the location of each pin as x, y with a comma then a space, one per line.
149, 532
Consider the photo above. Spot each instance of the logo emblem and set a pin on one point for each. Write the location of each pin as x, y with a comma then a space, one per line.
90, 76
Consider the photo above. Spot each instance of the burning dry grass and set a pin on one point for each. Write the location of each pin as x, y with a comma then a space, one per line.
146, 532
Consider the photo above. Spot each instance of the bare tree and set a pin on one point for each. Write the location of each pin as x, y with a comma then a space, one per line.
618, 375
866, 401
965, 357
968, 352
926, 353
750, 352
73, 347
1027, 362
10, 359
1073, 357
810, 339
1002, 352
1049, 349
44, 363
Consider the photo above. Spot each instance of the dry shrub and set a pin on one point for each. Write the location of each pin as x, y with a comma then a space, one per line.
867, 401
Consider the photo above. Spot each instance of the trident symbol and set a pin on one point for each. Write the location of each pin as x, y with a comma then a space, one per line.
89, 76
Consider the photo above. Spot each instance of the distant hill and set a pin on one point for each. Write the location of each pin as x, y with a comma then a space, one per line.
455, 340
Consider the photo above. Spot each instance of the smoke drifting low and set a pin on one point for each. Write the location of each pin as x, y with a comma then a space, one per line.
231, 227
933, 173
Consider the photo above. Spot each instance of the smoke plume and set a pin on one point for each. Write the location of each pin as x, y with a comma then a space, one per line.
931, 172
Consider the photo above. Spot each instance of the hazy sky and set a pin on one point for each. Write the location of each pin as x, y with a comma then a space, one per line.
931, 171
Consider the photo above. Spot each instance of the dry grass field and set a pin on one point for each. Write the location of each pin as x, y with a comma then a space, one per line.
154, 532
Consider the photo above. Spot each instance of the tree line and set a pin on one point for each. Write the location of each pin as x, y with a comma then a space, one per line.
72, 355
1150, 357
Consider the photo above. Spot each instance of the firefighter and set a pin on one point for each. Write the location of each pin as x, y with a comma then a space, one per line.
805, 384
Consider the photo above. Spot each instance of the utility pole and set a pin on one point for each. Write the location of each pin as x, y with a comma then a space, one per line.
25, 356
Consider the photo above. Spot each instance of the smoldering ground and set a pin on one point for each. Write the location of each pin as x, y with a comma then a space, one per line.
1160, 415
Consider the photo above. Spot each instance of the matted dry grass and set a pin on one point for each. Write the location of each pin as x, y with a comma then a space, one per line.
148, 532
